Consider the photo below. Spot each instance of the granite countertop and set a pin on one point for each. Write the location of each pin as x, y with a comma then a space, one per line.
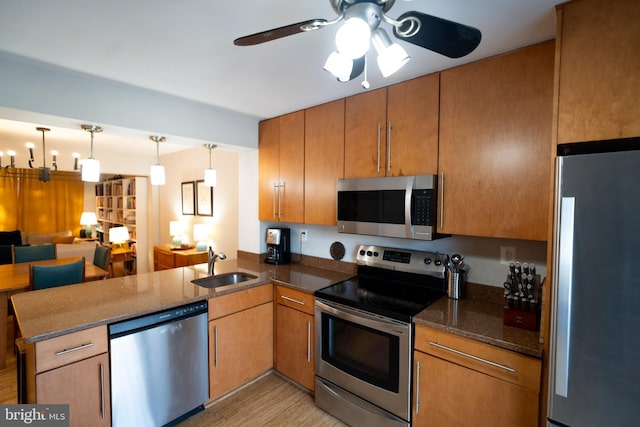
57, 311
479, 320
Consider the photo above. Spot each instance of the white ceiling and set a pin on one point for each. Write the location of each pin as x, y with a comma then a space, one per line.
185, 48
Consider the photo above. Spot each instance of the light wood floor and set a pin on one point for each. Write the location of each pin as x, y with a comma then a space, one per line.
269, 401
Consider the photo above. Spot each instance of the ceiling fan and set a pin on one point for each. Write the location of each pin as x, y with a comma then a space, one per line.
361, 27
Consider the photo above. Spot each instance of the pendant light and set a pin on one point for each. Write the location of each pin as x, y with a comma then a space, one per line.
157, 171
210, 177
91, 166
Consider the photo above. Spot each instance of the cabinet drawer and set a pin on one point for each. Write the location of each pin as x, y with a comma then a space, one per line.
59, 351
500, 363
295, 299
238, 301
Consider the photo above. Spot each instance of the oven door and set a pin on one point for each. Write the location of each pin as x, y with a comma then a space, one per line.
366, 354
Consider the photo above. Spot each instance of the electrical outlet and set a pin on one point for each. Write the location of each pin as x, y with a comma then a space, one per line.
304, 235
507, 254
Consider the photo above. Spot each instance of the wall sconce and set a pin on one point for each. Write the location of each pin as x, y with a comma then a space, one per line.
76, 156
12, 156
91, 166
157, 171
119, 236
88, 219
210, 176
201, 235
30, 146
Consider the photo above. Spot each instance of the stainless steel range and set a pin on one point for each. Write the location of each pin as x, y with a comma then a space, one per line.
364, 334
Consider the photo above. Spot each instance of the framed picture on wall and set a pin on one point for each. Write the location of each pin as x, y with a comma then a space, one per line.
204, 198
188, 198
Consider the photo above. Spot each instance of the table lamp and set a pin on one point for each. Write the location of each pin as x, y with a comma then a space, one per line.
176, 228
88, 219
201, 235
119, 235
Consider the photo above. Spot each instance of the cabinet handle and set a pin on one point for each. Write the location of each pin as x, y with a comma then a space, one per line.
102, 390
297, 301
441, 200
71, 350
280, 189
275, 203
418, 366
379, 147
215, 346
471, 356
308, 342
389, 146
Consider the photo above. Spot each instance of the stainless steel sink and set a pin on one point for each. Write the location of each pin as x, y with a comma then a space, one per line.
223, 279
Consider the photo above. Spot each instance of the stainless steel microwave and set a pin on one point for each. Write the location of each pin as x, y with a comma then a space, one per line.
399, 206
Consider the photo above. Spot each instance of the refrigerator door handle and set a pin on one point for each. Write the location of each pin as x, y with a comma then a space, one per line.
565, 283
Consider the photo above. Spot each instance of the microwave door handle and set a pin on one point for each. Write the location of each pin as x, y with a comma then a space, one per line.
407, 206
379, 131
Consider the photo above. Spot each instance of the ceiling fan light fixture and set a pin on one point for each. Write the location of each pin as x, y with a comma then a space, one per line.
391, 56
339, 66
353, 38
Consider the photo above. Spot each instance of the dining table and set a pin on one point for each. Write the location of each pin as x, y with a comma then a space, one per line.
15, 278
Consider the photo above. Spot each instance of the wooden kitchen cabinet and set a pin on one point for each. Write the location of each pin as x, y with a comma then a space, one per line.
240, 338
597, 70
324, 161
281, 168
495, 145
393, 131
462, 382
164, 258
295, 355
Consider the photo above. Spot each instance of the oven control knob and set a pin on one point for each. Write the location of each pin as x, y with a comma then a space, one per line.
369, 253
375, 254
362, 252
438, 262
427, 261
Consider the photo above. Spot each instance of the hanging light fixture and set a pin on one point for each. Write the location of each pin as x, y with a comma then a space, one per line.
91, 166
210, 176
157, 171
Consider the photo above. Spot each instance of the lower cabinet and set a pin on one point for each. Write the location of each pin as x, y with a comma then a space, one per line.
295, 355
462, 382
240, 338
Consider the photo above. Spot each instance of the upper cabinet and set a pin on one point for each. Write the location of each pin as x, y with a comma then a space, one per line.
495, 145
598, 70
281, 168
393, 131
324, 161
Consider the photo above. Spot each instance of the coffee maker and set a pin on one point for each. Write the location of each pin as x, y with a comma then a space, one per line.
278, 246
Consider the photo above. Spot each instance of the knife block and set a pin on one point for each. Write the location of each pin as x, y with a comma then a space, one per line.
521, 312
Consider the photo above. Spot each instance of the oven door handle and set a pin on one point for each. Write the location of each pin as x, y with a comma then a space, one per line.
365, 319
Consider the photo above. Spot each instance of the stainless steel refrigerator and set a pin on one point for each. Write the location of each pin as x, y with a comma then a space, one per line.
595, 312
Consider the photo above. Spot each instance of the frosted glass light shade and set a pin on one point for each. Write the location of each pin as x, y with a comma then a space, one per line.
353, 38
339, 65
91, 170
210, 177
392, 59
157, 175
118, 234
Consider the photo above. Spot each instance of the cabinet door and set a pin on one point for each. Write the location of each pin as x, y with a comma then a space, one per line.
365, 134
324, 161
268, 168
495, 145
291, 203
446, 394
599, 78
84, 385
412, 127
295, 356
240, 348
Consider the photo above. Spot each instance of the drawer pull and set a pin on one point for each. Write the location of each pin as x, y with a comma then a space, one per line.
71, 350
297, 301
479, 359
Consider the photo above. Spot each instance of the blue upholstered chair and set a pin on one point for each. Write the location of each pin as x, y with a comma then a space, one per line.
102, 257
49, 276
33, 253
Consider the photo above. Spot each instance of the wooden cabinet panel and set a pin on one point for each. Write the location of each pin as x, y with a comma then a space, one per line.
412, 113
238, 301
365, 134
324, 161
164, 257
268, 168
295, 299
447, 394
69, 348
295, 356
240, 348
598, 70
495, 145
84, 386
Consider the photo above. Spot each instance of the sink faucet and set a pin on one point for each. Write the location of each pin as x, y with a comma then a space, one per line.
213, 257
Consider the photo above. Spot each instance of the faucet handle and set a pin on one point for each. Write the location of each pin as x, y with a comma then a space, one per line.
222, 255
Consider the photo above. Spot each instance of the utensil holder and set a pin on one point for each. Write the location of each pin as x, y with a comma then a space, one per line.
456, 286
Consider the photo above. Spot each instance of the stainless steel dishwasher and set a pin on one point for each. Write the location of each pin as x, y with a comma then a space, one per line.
159, 366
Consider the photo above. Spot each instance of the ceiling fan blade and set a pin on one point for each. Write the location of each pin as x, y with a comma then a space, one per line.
445, 37
276, 33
